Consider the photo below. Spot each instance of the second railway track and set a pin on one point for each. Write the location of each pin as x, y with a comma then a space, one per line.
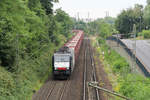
94, 74
89, 74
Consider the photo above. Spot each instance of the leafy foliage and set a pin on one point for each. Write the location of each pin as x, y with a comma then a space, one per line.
64, 20
127, 18
7, 83
103, 27
146, 34
138, 15
29, 34
135, 87
119, 64
148, 2
147, 16
47, 5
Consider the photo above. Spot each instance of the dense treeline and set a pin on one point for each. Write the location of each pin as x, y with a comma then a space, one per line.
128, 17
103, 27
29, 33
138, 15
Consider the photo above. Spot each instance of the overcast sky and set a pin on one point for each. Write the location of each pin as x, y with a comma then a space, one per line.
96, 8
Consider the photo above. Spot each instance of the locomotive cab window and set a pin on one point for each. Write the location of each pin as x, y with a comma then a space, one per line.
61, 58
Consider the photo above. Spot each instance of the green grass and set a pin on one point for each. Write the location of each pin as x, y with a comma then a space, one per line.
125, 82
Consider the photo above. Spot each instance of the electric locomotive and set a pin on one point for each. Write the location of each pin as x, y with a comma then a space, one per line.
62, 62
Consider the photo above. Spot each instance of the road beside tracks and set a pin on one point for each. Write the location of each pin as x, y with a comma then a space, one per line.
142, 50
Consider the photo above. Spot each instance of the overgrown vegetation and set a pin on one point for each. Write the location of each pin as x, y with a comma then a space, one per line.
119, 64
146, 34
129, 84
135, 87
29, 34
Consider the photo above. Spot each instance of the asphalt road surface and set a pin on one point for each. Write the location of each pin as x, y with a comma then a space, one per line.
142, 50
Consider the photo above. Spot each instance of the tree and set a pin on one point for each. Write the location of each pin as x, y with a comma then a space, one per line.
7, 58
47, 5
29, 33
123, 23
147, 15
148, 2
102, 27
65, 22
127, 18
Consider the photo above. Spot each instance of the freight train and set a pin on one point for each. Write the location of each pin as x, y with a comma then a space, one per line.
63, 60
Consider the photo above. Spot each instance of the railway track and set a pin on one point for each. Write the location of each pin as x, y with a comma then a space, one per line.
84, 79
76, 87
64, 89
53, 90
94, 74
89, 74
58, 89
50, 91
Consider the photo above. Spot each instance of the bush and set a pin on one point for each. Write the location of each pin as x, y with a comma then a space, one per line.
140, 34
135, 87
118, 63
7, 84
120, 66
146, 34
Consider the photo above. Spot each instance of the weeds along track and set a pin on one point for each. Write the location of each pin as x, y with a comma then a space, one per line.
94, 77
89, 74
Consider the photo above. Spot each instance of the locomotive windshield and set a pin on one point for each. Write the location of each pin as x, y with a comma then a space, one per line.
61, 58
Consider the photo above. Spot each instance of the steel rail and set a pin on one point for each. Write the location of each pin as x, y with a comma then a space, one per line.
93, 71
51, 90
84, 82
63, 89
85, 71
